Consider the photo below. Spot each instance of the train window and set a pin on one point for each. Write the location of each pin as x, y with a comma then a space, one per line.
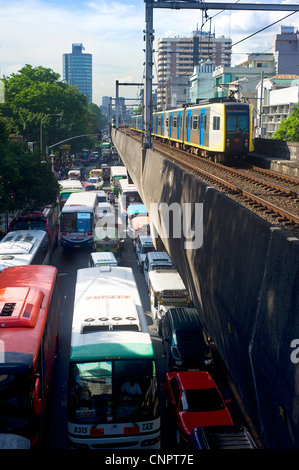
166, 122
195, 122
174, 121
205, 122
216, 123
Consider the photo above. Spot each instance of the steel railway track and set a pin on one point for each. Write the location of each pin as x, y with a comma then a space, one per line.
234, 181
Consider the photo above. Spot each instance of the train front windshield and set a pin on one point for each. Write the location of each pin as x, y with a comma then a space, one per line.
237, 121
113, 391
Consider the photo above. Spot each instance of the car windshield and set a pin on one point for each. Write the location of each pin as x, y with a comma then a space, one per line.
147, 249
201, 400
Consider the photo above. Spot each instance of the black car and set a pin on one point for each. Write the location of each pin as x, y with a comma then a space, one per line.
185, 340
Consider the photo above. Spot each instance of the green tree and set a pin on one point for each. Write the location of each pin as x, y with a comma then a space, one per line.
289, 128
26, 183
34, 94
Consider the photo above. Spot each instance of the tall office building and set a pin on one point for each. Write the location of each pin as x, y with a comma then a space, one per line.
77, 70
177, 57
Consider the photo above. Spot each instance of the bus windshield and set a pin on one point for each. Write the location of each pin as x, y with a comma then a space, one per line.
16, 401
76, 222
24, 223
110, 391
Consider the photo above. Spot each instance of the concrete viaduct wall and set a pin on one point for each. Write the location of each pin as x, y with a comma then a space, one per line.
244, 282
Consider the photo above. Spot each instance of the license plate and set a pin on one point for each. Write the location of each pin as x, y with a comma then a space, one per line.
96, 432
132, 430
77, 246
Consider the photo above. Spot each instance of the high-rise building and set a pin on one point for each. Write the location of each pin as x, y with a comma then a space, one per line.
77, 70
178, 56
286, 50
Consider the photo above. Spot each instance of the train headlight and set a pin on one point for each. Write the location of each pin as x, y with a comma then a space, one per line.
227, 143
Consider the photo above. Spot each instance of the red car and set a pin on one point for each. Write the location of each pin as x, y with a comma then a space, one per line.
194, 401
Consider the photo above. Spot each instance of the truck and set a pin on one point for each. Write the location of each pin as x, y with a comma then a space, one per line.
167, 289
221, 437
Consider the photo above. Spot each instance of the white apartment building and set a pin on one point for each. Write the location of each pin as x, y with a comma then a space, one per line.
278, 95
178, 56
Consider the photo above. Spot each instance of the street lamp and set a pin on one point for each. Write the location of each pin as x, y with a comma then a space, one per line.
41, 131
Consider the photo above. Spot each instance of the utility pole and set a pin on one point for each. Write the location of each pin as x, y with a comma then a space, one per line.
148, 95
261, 102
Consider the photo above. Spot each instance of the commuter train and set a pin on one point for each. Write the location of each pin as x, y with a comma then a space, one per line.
220, 130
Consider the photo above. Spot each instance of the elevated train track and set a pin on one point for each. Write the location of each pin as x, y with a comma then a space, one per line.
243, 278
274, 197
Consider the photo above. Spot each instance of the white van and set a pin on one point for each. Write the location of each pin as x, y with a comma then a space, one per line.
144, 244
156, 260
105, 209
104, 258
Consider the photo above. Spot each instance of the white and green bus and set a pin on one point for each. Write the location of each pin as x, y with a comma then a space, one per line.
112, 388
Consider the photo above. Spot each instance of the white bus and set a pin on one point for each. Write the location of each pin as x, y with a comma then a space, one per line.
77, 220
113, 393
23, 247
127, 194
117, 173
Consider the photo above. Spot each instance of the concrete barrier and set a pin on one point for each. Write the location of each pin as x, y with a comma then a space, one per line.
244, 281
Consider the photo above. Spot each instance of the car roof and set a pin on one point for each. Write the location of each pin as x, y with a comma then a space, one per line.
184, 318
159, 256
146, 240
195, 379
104, 204
133, 208
103, 256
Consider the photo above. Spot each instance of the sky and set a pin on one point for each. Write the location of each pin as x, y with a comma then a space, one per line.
39, 32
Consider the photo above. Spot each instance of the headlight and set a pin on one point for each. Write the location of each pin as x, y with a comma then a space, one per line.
178, 363
150, 442
208, 362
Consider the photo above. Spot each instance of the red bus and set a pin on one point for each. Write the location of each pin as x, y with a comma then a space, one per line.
46, 219
29, 324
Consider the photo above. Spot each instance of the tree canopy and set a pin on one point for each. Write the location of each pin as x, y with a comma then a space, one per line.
32, 97
289, 128
26, 183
